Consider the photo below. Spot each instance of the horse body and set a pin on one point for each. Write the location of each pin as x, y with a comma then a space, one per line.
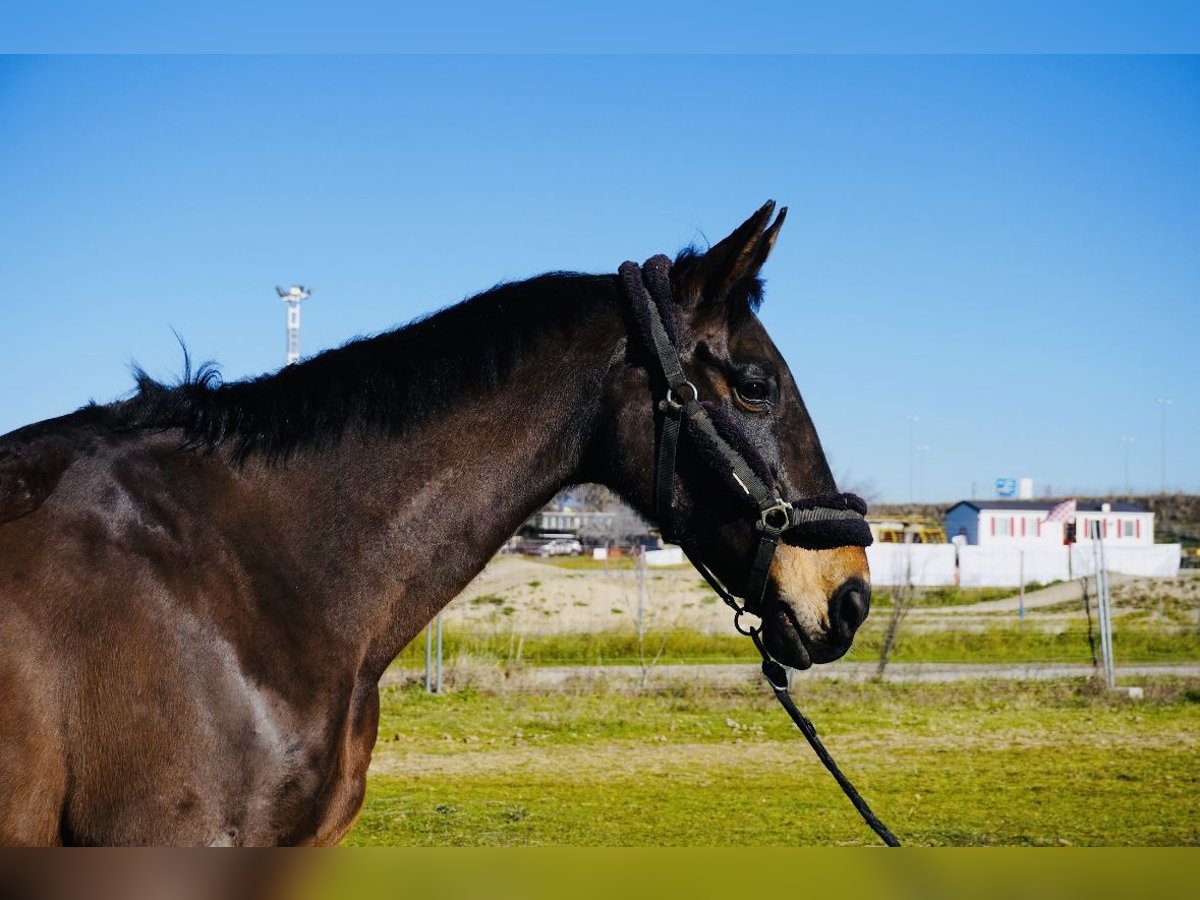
198, 643
171, 694
198, 607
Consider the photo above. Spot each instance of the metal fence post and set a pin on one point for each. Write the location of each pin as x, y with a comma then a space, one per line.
1021, 602
438, 687
429, 658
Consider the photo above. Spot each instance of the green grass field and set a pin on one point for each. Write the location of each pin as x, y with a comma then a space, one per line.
976, 763
1002, 642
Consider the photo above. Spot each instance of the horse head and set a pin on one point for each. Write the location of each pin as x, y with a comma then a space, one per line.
815, 594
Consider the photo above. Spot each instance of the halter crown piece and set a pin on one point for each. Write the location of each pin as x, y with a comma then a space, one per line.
816, 523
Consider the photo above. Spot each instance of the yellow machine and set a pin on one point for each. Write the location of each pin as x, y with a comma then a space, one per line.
917, 530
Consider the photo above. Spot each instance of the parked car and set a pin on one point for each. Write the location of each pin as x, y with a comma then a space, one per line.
561, 547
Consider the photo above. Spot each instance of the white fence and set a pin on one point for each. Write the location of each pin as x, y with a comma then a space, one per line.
930, 564
936, 564
667, 556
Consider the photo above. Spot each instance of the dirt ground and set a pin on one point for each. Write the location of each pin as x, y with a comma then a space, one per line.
535, 596
539, 597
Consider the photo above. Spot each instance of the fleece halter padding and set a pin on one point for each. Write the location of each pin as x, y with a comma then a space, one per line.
814, 525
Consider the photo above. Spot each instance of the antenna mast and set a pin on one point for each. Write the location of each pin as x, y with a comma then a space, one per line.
291, 298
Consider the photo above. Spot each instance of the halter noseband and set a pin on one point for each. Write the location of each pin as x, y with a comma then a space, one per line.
818, 523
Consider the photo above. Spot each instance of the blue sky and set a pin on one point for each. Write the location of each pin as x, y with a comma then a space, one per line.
1004, 246
626, 26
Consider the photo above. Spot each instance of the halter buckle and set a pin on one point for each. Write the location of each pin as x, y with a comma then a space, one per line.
775, 517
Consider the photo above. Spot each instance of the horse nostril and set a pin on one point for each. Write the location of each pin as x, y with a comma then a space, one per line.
850, 604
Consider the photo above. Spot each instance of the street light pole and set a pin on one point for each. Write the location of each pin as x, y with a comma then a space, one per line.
1163, 404
922, 449
912, 422
1127, 441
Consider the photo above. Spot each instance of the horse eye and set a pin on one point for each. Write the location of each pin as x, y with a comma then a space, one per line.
756, 393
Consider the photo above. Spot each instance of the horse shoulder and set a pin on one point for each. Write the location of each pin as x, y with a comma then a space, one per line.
29, 473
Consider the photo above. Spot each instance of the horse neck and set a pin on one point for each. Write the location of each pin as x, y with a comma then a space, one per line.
391, 529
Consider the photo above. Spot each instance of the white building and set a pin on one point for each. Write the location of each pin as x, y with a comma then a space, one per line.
1012, 523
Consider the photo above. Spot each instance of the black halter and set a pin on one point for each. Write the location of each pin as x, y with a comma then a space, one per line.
817, 523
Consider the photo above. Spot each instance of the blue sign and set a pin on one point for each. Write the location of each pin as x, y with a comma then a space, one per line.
1006, 487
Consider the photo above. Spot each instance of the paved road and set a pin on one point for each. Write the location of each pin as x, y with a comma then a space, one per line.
733, 674
1057, 593
1010, 671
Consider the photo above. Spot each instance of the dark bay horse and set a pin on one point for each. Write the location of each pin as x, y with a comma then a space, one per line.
201, 586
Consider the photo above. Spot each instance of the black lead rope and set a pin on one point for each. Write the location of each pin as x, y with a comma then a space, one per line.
777, 678
838, 516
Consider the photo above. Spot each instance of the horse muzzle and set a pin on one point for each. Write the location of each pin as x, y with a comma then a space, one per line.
816, 601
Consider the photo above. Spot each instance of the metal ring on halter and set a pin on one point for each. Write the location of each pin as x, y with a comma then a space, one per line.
776, 517
738, 612
673, 401
737, 623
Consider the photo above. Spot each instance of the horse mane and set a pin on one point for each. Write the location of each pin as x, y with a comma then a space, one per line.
385, 384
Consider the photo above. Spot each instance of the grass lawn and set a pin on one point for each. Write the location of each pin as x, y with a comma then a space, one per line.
1003, 643
975, 763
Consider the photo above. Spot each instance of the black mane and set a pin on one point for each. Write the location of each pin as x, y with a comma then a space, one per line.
745, 296
382, 384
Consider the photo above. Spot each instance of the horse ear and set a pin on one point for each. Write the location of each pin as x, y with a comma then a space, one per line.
732, 265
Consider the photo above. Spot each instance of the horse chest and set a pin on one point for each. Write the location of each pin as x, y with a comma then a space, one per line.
337, 804
277, 785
